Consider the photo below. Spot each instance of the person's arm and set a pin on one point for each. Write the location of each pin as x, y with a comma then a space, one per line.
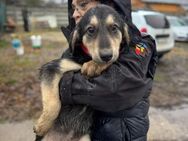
121, 86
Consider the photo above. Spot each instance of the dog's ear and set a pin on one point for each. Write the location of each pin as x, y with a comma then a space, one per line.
126, 37
74, 39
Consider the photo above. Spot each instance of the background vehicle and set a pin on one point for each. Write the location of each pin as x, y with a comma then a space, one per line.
185, 19
157, 26
179, 27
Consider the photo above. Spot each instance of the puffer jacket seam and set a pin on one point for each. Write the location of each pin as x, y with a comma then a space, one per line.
138, 137
122, 130
129, 137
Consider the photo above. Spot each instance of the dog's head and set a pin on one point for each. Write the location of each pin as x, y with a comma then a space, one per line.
101, 30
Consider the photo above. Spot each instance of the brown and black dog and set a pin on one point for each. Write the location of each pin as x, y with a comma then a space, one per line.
101, 31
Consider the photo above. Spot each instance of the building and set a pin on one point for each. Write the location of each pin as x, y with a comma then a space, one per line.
175, 7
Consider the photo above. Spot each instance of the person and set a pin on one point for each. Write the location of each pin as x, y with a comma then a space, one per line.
120, 95
10, 25
25, 17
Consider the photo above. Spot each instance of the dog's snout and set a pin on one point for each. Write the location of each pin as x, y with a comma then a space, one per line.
106, 58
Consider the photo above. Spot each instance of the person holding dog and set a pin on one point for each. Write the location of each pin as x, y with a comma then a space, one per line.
120, 95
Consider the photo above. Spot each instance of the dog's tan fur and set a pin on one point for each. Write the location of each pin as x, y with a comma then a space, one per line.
50, 98
50, 91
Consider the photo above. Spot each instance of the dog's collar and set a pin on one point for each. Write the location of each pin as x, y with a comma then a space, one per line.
84, 48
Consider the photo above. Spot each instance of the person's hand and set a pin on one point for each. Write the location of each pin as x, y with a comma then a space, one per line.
92, 69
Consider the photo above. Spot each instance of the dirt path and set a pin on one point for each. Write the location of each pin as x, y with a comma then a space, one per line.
165, 125
169, 125
21, 131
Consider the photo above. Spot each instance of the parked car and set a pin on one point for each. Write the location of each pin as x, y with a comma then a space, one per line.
179, 27
155, 24
185, 19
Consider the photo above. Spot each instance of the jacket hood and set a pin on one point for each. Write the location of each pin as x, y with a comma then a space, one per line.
122, 6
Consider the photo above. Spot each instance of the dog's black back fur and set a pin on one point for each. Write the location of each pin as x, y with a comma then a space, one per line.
77, 118
48, 70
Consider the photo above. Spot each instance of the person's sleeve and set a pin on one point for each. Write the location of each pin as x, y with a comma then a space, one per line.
121, 86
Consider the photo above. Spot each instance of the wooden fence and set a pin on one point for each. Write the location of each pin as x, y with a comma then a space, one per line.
59, 12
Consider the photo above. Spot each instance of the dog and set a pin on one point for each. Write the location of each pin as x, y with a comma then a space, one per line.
101, 31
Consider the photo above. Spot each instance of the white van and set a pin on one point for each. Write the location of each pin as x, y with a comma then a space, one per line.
157, 25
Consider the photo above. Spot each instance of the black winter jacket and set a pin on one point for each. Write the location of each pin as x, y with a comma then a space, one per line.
120, 94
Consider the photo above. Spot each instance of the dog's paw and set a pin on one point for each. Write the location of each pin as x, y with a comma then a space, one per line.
92, 69
40, 129
89, 68
38, 138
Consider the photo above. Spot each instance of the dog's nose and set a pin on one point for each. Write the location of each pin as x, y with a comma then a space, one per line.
106, 58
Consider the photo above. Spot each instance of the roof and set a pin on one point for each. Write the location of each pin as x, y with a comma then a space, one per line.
168, 1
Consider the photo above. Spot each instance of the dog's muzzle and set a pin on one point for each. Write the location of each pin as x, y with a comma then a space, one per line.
106, 58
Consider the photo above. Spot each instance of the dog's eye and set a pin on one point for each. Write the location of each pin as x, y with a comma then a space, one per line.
91, 30
114, 28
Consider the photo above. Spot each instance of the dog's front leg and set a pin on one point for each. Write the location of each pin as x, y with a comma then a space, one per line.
51, 73
92, 68
51, 106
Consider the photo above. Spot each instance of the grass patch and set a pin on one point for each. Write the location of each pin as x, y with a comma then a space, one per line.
6, 74
15, 69
11, 82
3, 44
160, 77
2, 121
23, 62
